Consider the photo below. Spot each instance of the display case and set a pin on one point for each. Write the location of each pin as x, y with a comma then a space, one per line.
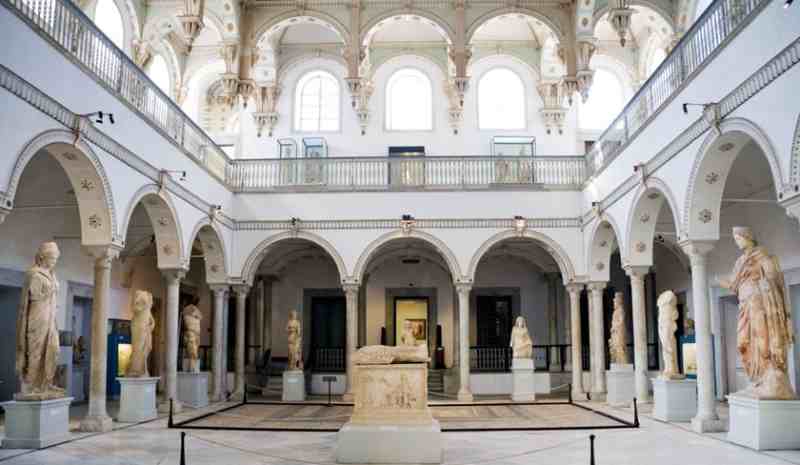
315, 147
287, 148
513, 146
516, 164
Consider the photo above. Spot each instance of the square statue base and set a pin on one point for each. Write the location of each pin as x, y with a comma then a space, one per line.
675, 399
764, 424
620, 384
522, 382
193, 389
35, 424
294, 386
137, 401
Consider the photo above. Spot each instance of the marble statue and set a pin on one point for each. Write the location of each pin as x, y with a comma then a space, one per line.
191, 337
764, 330
384, 355
407, 338
667, 325
37, 333
521, 343
294, 330
617, 343
141, 335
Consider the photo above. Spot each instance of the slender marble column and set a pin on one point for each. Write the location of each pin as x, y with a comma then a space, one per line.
266, 331
218, 337
225, 341
241, 313
258, 295
707, 419
97, 418
351, 293
576, 343
639, 311
597, 341
464, 392
173, 280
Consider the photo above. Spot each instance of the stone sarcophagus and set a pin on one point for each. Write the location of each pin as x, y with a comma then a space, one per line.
391, 394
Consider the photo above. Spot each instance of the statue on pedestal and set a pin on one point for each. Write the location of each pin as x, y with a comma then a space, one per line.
37, 332
191, 337
617, 343
521, 343
667, 325
141, 335
294, 330
764, 331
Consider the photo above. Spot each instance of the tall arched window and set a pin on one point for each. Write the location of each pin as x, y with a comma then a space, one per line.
501, 100
655, 59
409, 101
317, 102
109, 20
606, 100
158, 71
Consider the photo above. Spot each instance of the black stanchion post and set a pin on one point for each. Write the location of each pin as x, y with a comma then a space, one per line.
183, 448
169, 420
635, 413
591, 450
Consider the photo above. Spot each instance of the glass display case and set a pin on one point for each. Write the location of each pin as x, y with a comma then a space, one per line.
516, 165
315, 147
287, 148
513, 146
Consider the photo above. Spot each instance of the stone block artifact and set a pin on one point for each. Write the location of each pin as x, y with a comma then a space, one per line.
191, 337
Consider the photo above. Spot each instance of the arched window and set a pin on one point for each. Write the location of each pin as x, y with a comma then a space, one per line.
109, 20
501, 100
605, 102
658, 55
158, 71
317, 102
409, 101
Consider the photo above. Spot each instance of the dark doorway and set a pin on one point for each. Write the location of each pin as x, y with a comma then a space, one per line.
494, 320
328, 332
9, 306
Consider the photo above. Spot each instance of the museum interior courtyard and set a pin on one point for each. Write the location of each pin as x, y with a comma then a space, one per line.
452, 232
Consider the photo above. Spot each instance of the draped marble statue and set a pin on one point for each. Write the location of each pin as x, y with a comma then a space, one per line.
37, 333
191, 337
141, 335
294, 330
618, 342
667, 325
764, 330
521, 343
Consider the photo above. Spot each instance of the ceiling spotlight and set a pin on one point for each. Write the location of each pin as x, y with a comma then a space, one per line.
787, 4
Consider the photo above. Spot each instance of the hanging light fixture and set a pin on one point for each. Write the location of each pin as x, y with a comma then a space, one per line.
620, 19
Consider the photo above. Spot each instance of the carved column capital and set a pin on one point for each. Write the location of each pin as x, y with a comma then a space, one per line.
103, 254
351, 288
173, 274
241, 290
636, 272
697, 251
463, 287
219, 288
597, 286
575, 288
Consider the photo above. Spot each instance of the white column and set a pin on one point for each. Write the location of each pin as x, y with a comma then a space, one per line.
351, 293
97, 418
576, 343
225, 341
597, 340
241, 313
464, 392
172, 326
707, 419
266, 331
258, 295
218, 338
639, 312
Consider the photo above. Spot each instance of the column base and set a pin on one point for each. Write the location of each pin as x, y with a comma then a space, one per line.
163, 406
138, 400
598, 396
464, 396
578, 395
708, 425
96, 424
236, 397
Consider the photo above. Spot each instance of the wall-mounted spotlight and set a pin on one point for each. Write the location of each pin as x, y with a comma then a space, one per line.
294, 221
99, 116
787, 4
181, 174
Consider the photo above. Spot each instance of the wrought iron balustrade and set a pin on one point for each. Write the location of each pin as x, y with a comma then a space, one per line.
389, 173
328, 359
720, 22
546, 357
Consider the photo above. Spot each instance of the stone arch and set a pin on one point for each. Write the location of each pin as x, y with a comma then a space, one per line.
210, 237
307, 16
795, 175
368, 254
712, 165
642, 218
548, 244
435, 21
401, 54
87, 177
534, 69
473, 28
604, 235
257, 255
302, 59
130, 21
166, 225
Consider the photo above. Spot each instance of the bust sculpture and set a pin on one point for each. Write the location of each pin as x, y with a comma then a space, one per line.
764, 330
617, 343
141, 335
294, 331
37, 333
191, 337
667, 325
521, 343
407, 338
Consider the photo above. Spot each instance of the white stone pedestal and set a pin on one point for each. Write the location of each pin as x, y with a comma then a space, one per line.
620, 384
764, 424
34, 424
294, 386
193, 389
522, 383
675, 399
137, 401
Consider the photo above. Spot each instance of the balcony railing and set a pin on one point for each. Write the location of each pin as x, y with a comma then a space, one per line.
547, 357
715, 26
70, 30
423, 173
328, 359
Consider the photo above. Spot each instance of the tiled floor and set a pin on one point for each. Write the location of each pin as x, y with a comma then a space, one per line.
655, 443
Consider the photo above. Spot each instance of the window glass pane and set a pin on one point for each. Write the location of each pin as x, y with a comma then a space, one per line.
109, 20
159, 73
501, 100
317, 102
604, 104
408, 105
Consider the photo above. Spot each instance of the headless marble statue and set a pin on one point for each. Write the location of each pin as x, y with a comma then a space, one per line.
521, 343
191, 337
667, 325
141, 335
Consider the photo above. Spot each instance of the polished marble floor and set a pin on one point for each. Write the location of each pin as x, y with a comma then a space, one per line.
655, 443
